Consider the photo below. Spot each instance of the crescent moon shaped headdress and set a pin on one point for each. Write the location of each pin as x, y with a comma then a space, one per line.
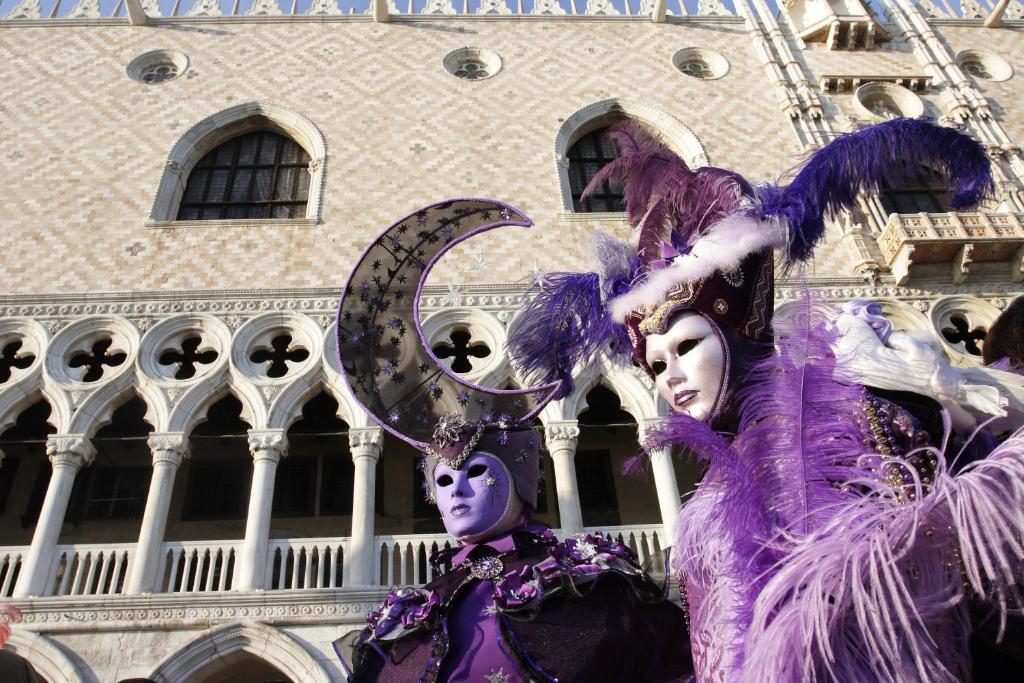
391, 370
705, 239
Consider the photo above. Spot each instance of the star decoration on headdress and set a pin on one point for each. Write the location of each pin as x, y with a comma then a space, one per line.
482, 265
447, 430
498, 676
535, 276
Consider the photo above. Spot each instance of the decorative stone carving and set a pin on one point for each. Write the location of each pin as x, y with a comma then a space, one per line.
100, 348
960, 323
86, 9
28, 9
493, 7
984, 65
547, 7
265, 8
472, 63
562, 435
324, 7
169, 447
971, 9
159, 66
69, 450
880, 101
700, 63
439, 7
601, 7
930, 9
205, 8
712, 8
366, 442
316, 165
268, 443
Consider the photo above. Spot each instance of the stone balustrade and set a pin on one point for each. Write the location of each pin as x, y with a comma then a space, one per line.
291, 564
959, 239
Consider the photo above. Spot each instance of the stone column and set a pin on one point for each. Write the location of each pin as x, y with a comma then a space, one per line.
168, 449
667, 487
561, 441
267, 447
365, 447
68, 453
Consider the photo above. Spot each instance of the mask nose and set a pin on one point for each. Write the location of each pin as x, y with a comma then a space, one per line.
461, 488
676, 376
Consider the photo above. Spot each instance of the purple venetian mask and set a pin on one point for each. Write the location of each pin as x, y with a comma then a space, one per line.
477, 500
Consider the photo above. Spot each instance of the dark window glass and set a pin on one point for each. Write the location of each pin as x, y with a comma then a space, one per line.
920, 190
295, 487
217, 489
35, 498
336, 490
586, 157
118, 492
256, 175
542, 493
8, 470
426, 518
597, 488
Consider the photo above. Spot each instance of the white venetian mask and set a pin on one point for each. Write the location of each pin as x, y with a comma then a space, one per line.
689, 364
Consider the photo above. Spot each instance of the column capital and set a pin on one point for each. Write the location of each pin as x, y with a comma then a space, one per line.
268, 444
562, 435
170, 447
70, 450
365, 442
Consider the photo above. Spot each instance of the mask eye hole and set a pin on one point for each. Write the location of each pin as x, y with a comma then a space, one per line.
476, 470
658, 366
445, 480
686, 346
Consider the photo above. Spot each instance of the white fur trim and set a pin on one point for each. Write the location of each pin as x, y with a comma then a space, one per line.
723, 247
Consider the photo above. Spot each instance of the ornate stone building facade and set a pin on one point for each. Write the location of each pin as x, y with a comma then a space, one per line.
187, 492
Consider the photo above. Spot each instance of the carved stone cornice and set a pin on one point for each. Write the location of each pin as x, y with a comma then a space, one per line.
70, 450
171, 447
562, 436
238, 305
268, 444
168, 611
365, 442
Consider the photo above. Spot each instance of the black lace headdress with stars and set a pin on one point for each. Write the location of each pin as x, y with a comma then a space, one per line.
391, 370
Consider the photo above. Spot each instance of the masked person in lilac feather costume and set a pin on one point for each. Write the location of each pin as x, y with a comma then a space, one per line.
513, 603
833, 536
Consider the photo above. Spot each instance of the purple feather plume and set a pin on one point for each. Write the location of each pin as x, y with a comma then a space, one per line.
666, 200
565, 323
802, 424
879, 593
722, 538
857, 163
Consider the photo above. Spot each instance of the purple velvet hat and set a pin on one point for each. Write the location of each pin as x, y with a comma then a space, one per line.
395, 375
705, 239
517, 446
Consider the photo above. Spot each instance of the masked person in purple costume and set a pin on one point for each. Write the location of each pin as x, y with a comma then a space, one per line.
514, 603
831, 537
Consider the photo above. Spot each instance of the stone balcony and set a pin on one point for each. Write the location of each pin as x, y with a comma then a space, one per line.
204, 567
957, 239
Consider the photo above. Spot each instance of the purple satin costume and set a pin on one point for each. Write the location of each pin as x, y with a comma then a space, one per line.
578, 610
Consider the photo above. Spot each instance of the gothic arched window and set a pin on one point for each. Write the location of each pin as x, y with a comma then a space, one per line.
920, 190
256, 175
586, 157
